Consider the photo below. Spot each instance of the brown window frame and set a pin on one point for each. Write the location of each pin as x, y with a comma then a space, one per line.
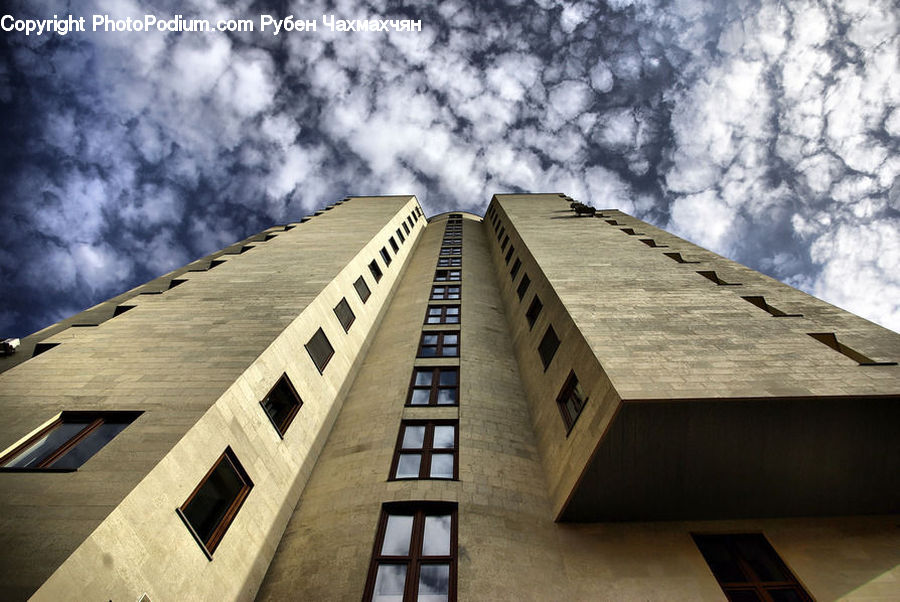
446, 295
752, 581
414, 560
543, 352
282, 426
534, 311
426, 451
447, 275
434, 388
568, 391
346, 304
439, 347
361, 283
209, 546
443, 314
91, 421
324, 361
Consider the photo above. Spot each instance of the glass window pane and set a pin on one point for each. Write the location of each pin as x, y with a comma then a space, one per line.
433, 320
450, 351
785, 595
434, 311
720, 560
46, 445
761, 559
408, 466
742, 596
428, 352
423, 377
90, 445
208, 507
434, 583
446, 397
390, 580
442, 466
420, 397
397, 535
436, 541
414, 437
451, 339
448, 377
452, 319
453, 311
444, 437
429, 339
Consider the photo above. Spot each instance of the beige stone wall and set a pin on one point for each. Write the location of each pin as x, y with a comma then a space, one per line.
197, 360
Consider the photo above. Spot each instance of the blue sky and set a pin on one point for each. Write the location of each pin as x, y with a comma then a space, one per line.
766, 131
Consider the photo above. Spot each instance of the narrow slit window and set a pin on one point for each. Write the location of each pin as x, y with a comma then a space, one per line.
830, 339
570, 401
631, 232
500, 233
434, 386
748, 568
344, 314
761, 303
406, 228
281, 404
385, 256
509, 253
677, 257
547, 348
214, 504
652, 243
515, 269
362, 289
523, 286
68, 442
376, 271
713, 277
393, 244
320, 349
400, 236
534, 310
504, 243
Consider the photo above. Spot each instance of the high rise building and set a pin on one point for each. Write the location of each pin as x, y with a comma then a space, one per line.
532, 405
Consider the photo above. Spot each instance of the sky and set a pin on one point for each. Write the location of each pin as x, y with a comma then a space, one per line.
767, 131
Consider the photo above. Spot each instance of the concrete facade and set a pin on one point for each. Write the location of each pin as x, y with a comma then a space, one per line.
706, 413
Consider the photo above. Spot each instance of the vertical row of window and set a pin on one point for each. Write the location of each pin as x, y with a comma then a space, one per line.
414, 557
70, 440
571, 398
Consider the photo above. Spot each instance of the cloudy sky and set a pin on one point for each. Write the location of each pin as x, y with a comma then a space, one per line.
767, 131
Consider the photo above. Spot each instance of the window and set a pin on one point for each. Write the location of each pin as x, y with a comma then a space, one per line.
426, 450
515, 269
434, 386
362, 289
439, 344
68, 442
442, 314
344, 314
393, 243
677, 257
406, 228
282, 404
504, 243
713, 277
440, 293
549, 345
400, 236
451, 250
414, 557
830, 339
210, 509
523, 286
320, 350
509, 253
376, 271
445, 275
410, 222
570, 401
761, 303
445, 262
386, 256
748, 568
500, 233
452, 242
534, 310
